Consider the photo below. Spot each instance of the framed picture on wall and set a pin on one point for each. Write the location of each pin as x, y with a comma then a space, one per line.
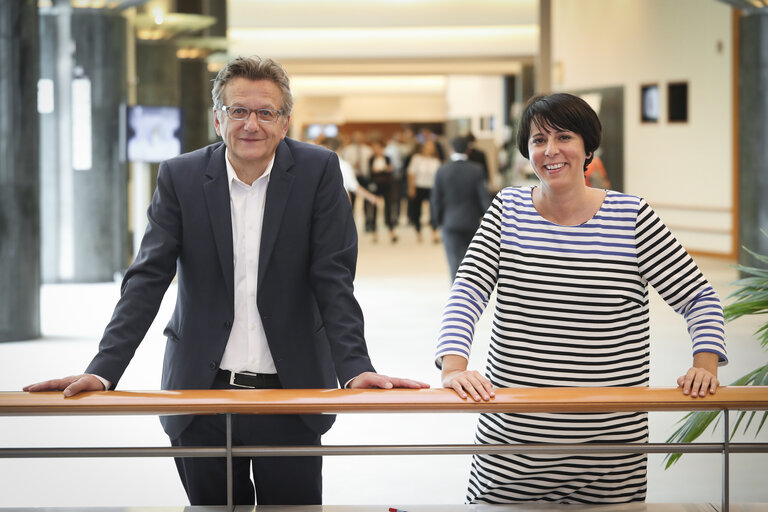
677, 102
650, 103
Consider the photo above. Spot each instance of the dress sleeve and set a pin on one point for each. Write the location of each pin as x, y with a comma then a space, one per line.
475, 280
665, 264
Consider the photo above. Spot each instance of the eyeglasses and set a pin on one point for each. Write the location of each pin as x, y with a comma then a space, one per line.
263, 115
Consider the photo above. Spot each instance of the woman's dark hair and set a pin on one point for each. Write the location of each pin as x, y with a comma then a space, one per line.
561, 111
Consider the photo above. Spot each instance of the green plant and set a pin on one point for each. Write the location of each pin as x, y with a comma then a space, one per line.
751, 298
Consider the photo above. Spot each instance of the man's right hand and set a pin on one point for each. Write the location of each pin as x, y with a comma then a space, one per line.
71, 385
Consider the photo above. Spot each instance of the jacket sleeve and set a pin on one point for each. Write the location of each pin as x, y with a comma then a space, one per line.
144, 284
332, 272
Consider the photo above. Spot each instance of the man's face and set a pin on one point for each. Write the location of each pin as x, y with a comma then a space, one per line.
251, 143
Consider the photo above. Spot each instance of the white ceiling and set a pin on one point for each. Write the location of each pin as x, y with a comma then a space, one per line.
392, 37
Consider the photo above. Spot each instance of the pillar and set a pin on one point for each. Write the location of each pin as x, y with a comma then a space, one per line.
753, 129
84, 177
19, 176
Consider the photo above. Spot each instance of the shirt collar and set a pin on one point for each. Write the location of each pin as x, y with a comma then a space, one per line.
232, 175
455, 157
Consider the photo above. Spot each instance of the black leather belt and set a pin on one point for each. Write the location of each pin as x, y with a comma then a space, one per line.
251, 380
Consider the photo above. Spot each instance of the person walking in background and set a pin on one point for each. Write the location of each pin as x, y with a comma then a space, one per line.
421, 178
477, 156
351, 185
383, 185
358, 154
459, 199
396, 151
259, 232
571, 266
424, 135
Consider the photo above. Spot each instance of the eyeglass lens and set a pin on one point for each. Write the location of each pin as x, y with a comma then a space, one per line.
265, 115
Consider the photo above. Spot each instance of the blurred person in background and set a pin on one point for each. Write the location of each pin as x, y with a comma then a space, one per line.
383, 185
477, 156
421, 177
351, 185
458, 201
396, 151
358, 154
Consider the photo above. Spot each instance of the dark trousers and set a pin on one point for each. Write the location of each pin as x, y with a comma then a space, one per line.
383, 186
276, 480
456, 243
414, 208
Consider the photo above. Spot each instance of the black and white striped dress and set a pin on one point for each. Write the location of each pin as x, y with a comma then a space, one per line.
571, 310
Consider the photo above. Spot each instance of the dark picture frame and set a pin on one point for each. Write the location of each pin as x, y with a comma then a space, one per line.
677, 102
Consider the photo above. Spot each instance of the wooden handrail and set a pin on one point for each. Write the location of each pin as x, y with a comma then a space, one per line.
322, 401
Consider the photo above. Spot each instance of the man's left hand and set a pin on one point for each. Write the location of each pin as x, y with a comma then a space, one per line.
376, 380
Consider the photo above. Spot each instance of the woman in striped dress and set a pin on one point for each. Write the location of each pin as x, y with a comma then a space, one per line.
571, 267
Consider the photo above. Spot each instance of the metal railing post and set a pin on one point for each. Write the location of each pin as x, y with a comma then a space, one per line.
726, 461
230, 505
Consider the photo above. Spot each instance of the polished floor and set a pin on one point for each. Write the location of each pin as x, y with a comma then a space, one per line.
402, 288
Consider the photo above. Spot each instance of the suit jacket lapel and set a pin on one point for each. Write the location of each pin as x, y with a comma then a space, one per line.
278, 192
217, 198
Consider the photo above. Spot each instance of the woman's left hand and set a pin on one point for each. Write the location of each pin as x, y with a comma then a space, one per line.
698, 382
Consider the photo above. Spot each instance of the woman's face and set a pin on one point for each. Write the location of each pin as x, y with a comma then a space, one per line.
428, 149
557, 156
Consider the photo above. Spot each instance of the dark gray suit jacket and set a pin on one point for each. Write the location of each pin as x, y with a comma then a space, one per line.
307, 260
459, 196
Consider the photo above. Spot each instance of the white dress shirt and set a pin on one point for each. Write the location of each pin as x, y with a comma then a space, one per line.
247, 348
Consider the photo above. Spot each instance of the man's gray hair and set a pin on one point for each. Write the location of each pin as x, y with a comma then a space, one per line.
254, 68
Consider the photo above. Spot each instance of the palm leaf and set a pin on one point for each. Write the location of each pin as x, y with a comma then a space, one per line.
750, 298
694, 424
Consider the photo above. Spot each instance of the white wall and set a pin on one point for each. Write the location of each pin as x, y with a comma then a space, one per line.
683, 170
478, 97
475, 97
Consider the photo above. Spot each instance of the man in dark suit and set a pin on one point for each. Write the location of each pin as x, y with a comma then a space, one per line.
259, 231
458, 201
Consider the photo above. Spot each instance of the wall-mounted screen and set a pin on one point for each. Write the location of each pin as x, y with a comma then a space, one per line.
154, 133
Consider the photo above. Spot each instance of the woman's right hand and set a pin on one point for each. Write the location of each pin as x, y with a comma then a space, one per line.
465, 382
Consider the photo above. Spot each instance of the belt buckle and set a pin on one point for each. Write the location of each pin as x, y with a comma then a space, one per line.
232, 382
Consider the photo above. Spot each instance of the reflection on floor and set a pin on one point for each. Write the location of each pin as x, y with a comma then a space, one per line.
401, 288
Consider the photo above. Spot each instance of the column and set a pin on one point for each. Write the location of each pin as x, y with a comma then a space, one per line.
753, 129
544, 57
84, 177
19, 172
